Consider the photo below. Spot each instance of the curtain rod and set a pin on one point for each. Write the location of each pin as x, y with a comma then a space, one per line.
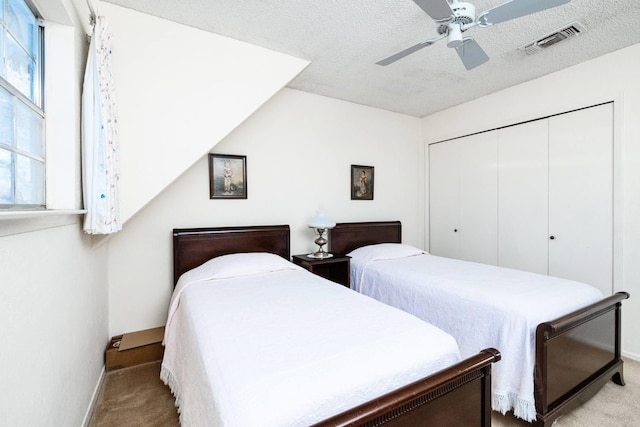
92, 19
92, 13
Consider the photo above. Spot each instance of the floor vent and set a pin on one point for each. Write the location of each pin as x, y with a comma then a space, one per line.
557, 36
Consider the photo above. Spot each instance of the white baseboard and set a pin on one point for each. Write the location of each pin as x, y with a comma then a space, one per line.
631, 356
94, 399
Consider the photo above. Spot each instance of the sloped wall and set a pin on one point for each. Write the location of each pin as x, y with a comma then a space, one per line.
179, 91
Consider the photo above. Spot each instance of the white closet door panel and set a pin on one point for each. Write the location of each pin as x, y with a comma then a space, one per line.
581, 196
443, 199
523, 158
478, 226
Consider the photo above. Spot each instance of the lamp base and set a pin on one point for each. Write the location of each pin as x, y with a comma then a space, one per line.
320, 255
320, 241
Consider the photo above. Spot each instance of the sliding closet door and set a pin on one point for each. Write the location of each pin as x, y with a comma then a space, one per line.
444, 199
581, 196
478, 226
523, 185
463, 198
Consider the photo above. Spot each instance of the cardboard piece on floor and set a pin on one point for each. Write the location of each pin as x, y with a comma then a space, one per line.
134, 348
138, 339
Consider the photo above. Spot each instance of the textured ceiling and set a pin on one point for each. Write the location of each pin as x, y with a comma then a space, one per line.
344, 39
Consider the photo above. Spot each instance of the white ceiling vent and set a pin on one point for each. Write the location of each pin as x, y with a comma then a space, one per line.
573, 29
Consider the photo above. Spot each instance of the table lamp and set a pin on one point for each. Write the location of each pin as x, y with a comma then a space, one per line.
320, 223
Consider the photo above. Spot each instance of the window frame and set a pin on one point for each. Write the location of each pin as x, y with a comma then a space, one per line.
36, 106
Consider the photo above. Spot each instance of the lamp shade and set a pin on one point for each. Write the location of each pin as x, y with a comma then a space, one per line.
321, 221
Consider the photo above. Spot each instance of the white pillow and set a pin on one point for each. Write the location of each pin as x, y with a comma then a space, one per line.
385, 251
238, 265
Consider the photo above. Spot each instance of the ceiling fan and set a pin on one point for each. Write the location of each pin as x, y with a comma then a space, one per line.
456, 18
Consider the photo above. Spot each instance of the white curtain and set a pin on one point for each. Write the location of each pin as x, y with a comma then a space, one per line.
100, 137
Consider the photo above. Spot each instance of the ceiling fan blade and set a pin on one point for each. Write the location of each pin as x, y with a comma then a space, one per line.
408, 51
438, 10
516, 9
471, 53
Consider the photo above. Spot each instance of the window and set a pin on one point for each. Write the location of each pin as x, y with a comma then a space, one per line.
22, 151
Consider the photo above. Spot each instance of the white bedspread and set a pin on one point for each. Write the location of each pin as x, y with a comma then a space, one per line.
289, 349
481, 306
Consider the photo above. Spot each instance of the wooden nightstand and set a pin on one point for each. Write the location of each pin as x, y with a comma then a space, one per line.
335, 268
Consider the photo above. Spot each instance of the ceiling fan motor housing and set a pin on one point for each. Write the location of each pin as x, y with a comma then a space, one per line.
463, 14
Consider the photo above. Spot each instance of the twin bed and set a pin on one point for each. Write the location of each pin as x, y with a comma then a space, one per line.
252, 339
559, 340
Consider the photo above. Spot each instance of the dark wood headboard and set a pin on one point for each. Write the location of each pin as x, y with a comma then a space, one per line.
194, 246
347, 236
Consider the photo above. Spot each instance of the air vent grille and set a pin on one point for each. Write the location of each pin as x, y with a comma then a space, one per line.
557, 36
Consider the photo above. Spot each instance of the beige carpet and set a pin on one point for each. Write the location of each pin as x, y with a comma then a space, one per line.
134, 397
137, 397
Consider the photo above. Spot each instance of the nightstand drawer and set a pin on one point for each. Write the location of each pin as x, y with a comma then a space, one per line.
335, 268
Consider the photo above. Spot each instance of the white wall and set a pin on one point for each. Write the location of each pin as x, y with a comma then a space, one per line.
299, 149
611, 77
53, 285
53, 309
179, 91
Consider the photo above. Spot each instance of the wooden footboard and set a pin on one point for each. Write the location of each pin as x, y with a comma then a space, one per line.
576, 355
456, 396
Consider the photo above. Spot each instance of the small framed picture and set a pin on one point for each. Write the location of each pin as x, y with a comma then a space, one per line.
227, 176
361, 182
